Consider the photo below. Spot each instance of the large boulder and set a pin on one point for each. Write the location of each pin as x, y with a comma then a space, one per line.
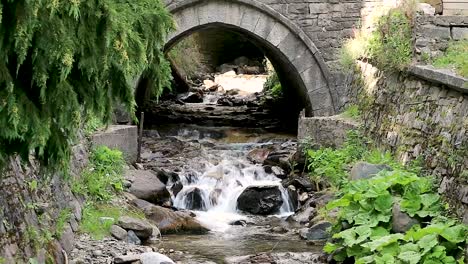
364, 170
258, 155
401, 222
261, 200
169, 221
142, 228
194, 199
191, 97
155, 258
317, 232
147, 186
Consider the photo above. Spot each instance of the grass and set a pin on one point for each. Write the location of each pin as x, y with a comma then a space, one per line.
352, 111
62, 219
455, 57
103, 177
389, 46
98, 218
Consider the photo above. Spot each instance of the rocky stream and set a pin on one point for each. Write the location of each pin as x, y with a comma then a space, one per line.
220, 186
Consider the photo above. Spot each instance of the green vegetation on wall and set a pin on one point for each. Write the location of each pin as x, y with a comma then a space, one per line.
103, 176
389, 46
456, 57
363, 230
273, 86
62, 60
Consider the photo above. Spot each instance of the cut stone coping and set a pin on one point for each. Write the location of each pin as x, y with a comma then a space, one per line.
441, 76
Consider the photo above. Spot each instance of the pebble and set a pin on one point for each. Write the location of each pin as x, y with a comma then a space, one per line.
97, 253
171, 250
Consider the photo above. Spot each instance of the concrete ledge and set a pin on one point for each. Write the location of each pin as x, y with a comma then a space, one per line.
441, 76
121, 137
327, 131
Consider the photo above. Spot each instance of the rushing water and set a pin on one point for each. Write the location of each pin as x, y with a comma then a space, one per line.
221, 172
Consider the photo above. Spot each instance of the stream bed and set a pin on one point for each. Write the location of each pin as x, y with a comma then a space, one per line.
213, 168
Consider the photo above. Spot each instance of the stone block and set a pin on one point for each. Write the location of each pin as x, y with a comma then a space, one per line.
304, 61
431, 31
211, 12
121, 137
319, 8
327, 131
249, 20
291, 45
459, 33
277, 34
264, 26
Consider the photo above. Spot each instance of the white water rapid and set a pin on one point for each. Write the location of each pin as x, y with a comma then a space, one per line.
221, 173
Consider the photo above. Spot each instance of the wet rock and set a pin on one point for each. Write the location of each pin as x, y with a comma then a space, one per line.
194, 200
132, 238
241, 61
279, 229
249, 70
401, 222
167, 176
280, 159
262, 200
364, 170
148, 187
259, 156
210, 85
278, 172
316, 232
176, 188
191, 97
302, 183
142, 228
278, 258
118, 232
304, 214
293, 197
173, 222
214, 195
239, 223
155, 258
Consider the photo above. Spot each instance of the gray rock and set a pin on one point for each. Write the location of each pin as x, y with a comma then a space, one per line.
176, 188
126, 259
401, 222
364, 170
258, 155
194, 200
191, 97
316, 232
155, 258
459, 33
147, 186
118, 232
261, 200
142, 228
132, 238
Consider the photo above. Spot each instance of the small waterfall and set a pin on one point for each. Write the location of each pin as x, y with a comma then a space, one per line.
224, 174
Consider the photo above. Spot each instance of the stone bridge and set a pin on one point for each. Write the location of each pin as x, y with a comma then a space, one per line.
301, 38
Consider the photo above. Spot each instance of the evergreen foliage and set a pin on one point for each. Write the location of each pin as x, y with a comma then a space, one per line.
63, 60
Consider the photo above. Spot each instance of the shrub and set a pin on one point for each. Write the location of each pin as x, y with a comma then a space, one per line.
363, 232
331, 164
273, 86
103, 177
352, 111
391, 44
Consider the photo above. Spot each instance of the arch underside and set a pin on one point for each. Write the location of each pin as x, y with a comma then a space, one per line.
294, 56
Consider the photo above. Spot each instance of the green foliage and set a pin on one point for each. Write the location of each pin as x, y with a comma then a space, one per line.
367, 237
352, 111
61, 60
273, 86
331, 164
92, 124
37, 237
391, 44
98, 218
62, 219
456, 56
103, 177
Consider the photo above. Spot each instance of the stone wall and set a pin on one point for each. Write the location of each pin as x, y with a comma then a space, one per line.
433, 33
31, 201
122, 137
417, 118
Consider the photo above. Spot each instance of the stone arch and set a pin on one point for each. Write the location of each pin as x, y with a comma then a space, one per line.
293, 54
